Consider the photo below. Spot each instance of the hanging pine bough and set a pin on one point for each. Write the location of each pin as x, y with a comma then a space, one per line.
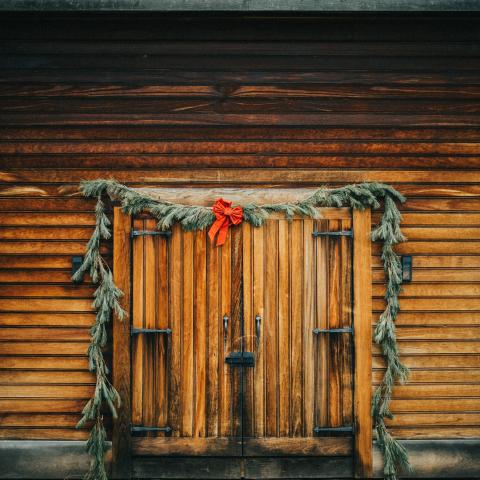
107, 295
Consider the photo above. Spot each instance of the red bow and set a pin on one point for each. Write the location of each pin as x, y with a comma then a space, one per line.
226, 216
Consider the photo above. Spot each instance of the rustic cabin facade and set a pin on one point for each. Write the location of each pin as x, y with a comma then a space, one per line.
252, 356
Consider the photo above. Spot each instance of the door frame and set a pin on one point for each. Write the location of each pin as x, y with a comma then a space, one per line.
362, 311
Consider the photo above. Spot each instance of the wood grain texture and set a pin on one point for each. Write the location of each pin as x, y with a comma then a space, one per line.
299, 381
299, 106
121, 345
267, 260
184, 283
363, 343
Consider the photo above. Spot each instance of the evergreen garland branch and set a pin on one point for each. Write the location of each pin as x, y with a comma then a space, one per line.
107, 295
106, 300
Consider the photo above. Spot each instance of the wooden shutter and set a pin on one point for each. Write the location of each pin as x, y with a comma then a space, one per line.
301, 386
297, 282
181, 380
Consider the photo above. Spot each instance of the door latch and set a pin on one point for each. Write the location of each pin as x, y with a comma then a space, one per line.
240, 359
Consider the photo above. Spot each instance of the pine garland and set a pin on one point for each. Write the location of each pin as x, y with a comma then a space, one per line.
107, 295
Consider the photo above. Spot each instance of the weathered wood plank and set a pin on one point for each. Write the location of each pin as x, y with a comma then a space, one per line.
186, 446
446, 360
78, 320
215, 338
454, 262
436, 275
304, 446
137, 321
174, 384
297, 315
29, 405
436, 390
271, 333
439, 290
12, 377
251, 339
46, 391
459, 404
200, 333
219, 159
258, 254
135, 132
427, 347
245, 147
284, 326
44, 334
431, 304
39, 420
310, 317
47, 291
150, 355
44, 348
227, 341
121, 376
237, 328
439, 419
362, 282
438, 333
253, 176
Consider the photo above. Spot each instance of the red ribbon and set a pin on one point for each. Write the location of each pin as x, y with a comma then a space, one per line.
226, 216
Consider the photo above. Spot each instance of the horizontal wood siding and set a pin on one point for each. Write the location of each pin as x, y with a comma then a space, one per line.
306, 103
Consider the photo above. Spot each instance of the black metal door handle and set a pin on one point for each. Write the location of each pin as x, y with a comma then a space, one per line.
225, 329
258, 320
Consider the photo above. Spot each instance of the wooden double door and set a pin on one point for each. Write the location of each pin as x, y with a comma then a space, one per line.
244, 350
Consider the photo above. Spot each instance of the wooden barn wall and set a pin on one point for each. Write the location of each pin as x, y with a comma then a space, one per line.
238, 102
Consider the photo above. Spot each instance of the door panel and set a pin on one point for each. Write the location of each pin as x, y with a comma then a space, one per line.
334, 352
276, 285
302, 382
180, 380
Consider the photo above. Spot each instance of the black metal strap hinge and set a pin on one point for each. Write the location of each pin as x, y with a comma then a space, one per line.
317, 331
143, 233
142, 429
341, 233
331, 431
164, 331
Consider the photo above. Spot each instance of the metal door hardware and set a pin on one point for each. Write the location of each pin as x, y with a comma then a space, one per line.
406, 268
240, 359
77, 261
225, 329
143, 233
326, 431
258, 320
137, 331
341, 233
139, 429
317, 331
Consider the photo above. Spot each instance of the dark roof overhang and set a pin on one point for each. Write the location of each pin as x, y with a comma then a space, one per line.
412, 6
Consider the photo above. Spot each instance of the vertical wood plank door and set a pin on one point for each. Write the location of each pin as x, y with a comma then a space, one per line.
281, 295
298, 321
185, 399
